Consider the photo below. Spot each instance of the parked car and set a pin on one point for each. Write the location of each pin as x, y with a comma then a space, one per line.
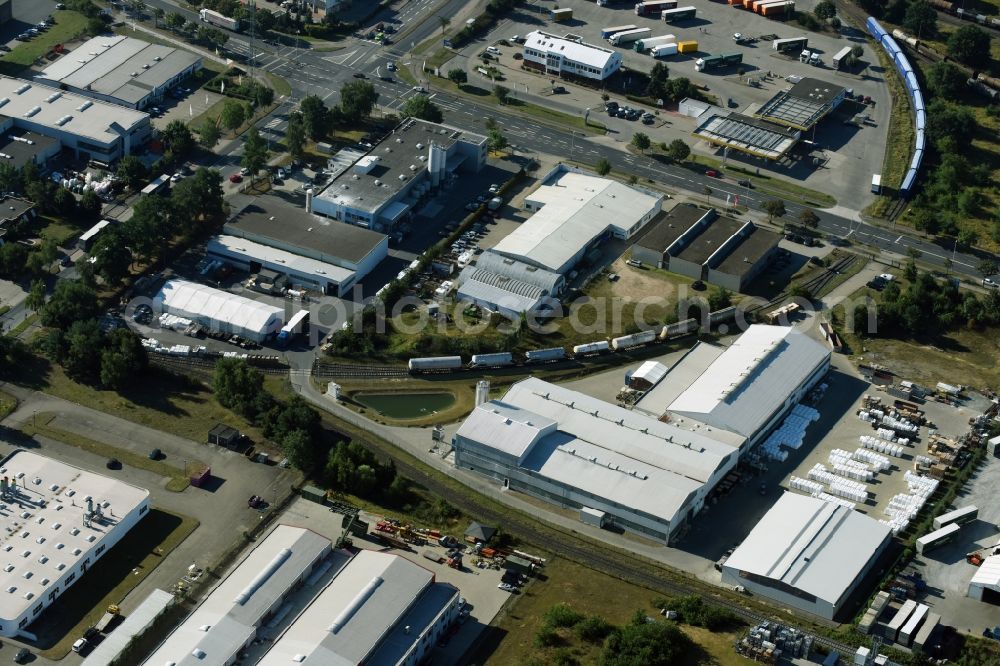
712, 173
113, 463
80, 645
23, 654
236, 178
746, 183
359, 75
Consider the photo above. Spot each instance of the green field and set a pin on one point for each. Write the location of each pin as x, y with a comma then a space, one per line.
69, 25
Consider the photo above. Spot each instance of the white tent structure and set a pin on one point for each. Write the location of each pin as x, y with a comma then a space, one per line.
985, 585
219, 310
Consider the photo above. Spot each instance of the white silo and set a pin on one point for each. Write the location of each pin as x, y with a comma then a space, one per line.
482, 391
309, 200
437, 158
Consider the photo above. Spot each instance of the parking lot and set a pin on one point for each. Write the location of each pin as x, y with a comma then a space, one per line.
846, 156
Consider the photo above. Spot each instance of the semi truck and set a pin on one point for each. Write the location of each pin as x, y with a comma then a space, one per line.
663, 50
299, 323
841, 56
790, 44
606, 33
717, 61
679, 14
653, 7
629, 36
644, 45
220, 20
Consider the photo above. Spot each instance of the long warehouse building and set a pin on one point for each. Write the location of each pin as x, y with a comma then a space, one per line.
219, 310
568, 448
808, 554
59, 521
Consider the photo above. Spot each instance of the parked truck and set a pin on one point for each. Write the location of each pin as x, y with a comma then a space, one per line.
629, 36
679, 14
108, 618
790, 44
689, 46
220, 20
717, 61
644, 45
663, 50
563, 14
653, 8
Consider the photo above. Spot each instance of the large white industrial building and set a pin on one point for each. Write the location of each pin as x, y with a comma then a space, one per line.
577, 451
371, 608
985, 583
380, 190
90, 128
746, 388
808, 554
121, 70
59, 520
219, 310
574, 213
569, 55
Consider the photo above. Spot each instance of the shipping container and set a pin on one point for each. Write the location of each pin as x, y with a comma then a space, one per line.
159, 185
959, 516
912, 625
563, 14
220, 20
491, 360
924, 634
628, 36
592, 348
607, 32
937, 538
679, 14
899, 619
777, 9
86, 241
542, 355
649, 42
433, 363
663, 50
790, 44
689, 46
841, 56
653, 7
593, 517
634, 340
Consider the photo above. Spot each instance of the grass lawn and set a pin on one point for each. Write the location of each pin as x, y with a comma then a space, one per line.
563, 120
592, 593
282, 88
122, 569
163, 401
60, 230
179, 478
8, 404
69, 25
770, 185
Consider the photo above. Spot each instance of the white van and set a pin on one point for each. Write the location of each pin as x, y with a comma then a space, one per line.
492, 50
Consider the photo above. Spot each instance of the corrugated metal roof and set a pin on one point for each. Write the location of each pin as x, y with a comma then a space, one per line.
505, 427
814, 546
650, 371
988, 573
579, 52
752, 378
518, 270
575, 209
134, 624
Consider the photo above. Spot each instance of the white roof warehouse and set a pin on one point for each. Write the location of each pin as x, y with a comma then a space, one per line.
58, 521
573, 56
578, 451
92, 129
808, 554
121, 70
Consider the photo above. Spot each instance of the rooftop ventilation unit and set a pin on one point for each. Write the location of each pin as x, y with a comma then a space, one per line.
23, 89
28, 114
86, 105
53, 97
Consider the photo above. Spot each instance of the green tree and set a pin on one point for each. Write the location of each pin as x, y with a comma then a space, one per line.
13, 257
35, 300
91, 205
295, 135
921, 19
825, 10
603, 167
177, 138
593, 629
71, 301
647, 643
967, 238
254, 153
123, 360
357, 99
986, 268
233, 115
950, 127
808, 218
774, 208
496, 141
315, 117
458, 76
10, 178
158, 14
421, 106
719, 299
502, 93
175, 20
81, 358
146, 229
112, 255
444, 21
970, 45
132, 171
237, 385
946, 81
209, 133
678, 150
197, 202
298, 447
63, 202
658, 78
641, 142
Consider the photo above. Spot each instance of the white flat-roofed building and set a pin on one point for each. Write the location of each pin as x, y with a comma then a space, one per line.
573, 213
219, 310
808, 554
571, 56
229, 618
379, 610
577, 451
301, 271
121, 70
59, 521
746, 388
92, 129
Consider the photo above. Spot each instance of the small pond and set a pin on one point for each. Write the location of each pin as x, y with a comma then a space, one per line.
406, 405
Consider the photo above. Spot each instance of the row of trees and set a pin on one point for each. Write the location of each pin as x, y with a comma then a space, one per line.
661, 86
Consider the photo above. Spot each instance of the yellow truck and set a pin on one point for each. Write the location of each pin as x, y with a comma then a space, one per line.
687, 47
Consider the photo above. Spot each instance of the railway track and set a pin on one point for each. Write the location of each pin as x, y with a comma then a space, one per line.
200, 364
814, 285
358, 371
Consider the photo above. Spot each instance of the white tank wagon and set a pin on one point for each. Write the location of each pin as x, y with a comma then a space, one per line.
543, 355
496, 360
634, 340
435, 363
588, 348
680, 328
